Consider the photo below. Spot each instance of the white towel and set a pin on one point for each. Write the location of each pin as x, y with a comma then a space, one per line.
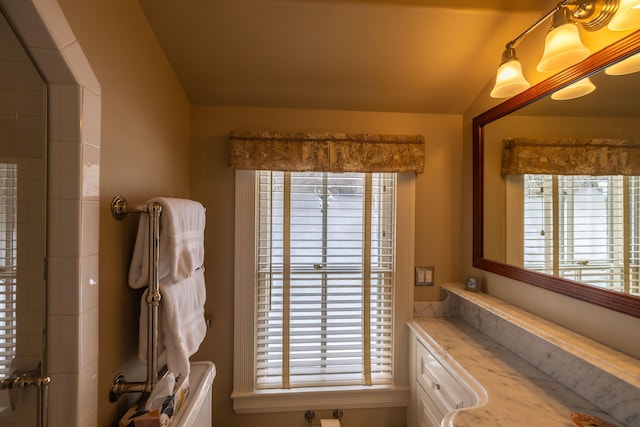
181, 322
181, 250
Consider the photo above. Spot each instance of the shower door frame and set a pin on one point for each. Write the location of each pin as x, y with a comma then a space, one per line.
73, 110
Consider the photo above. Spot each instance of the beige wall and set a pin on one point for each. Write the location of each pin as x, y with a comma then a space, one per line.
437, 221
144, 153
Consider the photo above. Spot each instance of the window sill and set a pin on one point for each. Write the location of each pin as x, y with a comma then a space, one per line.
265, 401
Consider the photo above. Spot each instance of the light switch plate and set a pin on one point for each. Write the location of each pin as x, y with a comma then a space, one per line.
424, 276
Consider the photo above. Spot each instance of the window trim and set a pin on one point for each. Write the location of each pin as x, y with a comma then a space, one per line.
246, 399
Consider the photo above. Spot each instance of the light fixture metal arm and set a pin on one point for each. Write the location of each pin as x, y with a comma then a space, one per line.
537, 23
592, 14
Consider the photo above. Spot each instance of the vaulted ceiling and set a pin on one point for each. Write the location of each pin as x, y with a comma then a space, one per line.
423, 56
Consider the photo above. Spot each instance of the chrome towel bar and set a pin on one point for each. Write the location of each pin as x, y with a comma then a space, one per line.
119, 209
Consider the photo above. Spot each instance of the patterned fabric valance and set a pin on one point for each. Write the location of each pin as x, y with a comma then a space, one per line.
568, 156
326, 152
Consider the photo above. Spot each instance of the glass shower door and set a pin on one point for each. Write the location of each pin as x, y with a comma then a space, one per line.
22, 234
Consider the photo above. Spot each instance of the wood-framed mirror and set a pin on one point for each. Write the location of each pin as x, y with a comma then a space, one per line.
486, 259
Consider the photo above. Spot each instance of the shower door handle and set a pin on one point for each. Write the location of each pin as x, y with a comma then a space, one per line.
20, 380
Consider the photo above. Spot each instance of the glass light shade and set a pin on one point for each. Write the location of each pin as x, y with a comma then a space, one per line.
562, 48
627, 17
627, 66
509, 80
576, 90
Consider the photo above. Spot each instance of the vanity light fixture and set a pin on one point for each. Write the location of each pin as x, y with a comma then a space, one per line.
626, 66
509, 80
627, 17
563, 46
576, 90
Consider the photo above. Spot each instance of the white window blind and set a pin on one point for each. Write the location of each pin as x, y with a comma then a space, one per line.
584, 228
325, 276
8, 257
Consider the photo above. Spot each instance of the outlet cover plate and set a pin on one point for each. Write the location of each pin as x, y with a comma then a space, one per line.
424, 276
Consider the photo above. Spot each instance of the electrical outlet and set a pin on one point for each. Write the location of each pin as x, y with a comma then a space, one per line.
424, 276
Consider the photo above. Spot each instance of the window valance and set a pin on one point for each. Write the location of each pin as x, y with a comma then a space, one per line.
570, 156
326, 152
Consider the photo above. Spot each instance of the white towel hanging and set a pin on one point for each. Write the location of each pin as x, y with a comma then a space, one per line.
181, 321
182, 224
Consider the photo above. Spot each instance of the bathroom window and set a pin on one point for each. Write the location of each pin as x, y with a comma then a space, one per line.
325, 260
325, 274
8, 258
584, 228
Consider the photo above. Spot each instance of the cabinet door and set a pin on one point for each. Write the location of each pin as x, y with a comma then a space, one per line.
447, 393
428, 414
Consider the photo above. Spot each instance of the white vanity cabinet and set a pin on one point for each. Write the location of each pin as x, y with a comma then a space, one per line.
504, 366
435, 390
427, 413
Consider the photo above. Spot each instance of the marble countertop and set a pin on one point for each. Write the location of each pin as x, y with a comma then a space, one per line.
510, 391
541, 342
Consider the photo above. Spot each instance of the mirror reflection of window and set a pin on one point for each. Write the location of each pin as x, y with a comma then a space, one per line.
583, 228
8, 264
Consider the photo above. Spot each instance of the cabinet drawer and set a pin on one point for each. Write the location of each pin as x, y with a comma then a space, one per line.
446, 392
427, 413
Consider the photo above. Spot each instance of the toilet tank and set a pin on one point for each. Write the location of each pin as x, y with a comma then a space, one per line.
196, 411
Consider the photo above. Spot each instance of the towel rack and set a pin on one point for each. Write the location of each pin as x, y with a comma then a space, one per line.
119, 210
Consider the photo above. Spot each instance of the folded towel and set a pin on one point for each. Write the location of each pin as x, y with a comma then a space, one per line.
181, 249
181, 322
